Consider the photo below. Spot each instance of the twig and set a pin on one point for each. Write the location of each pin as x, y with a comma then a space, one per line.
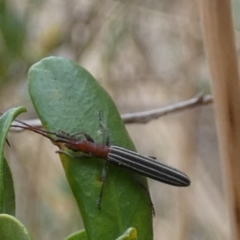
146, 116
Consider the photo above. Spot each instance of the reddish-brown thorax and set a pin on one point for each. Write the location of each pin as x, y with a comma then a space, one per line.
92, 148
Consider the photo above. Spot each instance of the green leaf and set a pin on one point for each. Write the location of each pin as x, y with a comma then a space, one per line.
130, 234
7, 196
12, 228
68, 98
80, 235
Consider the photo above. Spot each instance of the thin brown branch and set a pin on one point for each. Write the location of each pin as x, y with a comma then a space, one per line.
146, 116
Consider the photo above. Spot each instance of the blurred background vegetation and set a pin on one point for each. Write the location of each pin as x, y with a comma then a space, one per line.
147, 54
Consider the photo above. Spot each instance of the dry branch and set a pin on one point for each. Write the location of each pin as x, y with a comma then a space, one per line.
146, 116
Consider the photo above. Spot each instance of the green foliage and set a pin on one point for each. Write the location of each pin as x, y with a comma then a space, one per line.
7, 196
12, 229
12, 37
80, 235
130, 234
66, 97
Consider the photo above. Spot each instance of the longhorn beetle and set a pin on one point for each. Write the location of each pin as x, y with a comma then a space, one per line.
143, 165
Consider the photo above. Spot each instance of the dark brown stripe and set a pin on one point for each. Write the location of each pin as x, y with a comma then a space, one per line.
147, 166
